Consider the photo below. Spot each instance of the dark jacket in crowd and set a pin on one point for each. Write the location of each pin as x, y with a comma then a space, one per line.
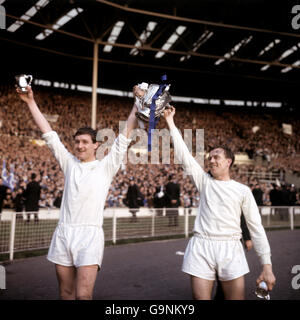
283, 196
3, 190
19, 202
258, 195
32, 196
275, 197
134, 198
172, 193
159, 200
57, 201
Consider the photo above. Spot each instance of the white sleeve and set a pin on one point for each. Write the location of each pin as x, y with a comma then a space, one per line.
257, 231
62, 155
185, 158
115, 157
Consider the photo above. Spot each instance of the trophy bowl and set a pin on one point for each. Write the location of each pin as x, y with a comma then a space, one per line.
144, 95
23, 81
262, 291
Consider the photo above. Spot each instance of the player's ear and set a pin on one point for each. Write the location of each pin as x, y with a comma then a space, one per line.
96, 144
229, 162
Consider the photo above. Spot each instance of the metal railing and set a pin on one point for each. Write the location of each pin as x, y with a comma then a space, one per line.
267, 175
17, 233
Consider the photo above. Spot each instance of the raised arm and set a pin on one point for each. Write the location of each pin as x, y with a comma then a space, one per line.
169, 114
116, 155
181, 151
52, 140
131, 123
38, 117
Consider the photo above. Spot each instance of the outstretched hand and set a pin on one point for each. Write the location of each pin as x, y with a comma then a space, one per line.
138, 92
26, 96
267, 276
169, 114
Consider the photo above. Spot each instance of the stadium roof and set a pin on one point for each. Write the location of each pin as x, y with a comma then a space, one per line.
208, 48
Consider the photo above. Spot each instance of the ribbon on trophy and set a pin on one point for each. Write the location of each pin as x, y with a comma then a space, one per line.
154, 120
151, 101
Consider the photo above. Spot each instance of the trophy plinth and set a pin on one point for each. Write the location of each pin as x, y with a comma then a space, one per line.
23, 81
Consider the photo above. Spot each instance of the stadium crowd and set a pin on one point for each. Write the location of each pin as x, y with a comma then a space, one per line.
22, 152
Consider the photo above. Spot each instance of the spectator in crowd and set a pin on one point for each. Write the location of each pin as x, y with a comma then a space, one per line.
57, 201
159, 198
258, 194
292, 195
134, 199
172, 200
8, 201
285, 202
3, 190
19, 202
189, 201
32, 196
275, 197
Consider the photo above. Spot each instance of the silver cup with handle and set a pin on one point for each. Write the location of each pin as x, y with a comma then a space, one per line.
262, 291
144, 94
23, 80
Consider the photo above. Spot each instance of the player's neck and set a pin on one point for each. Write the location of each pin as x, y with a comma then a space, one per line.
89, 159
223, 177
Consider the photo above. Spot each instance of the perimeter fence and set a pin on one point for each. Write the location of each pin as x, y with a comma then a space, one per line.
17, 233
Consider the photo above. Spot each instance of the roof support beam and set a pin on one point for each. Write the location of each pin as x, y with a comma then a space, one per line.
149, 48
192, 53
70, 34
209, 23
95, 86
152, 65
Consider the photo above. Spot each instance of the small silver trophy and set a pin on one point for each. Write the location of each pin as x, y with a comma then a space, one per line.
262, 291
23, 81
143, 100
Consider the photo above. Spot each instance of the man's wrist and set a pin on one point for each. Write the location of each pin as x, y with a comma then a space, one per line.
31, 103
171, 124
267, 267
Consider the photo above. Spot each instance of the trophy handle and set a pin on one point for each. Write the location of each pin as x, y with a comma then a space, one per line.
30, 77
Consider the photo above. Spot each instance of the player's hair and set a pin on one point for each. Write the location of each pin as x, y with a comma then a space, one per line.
87, 130
227, 151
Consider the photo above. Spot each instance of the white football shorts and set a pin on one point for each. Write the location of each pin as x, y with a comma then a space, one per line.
205, 257
79, 245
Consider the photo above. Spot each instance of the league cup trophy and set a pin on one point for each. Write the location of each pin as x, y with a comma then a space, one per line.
144, 98
23, 81
262, 291
151, 101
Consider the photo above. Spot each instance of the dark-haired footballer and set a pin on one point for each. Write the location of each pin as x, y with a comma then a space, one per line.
215, 247
78, 241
